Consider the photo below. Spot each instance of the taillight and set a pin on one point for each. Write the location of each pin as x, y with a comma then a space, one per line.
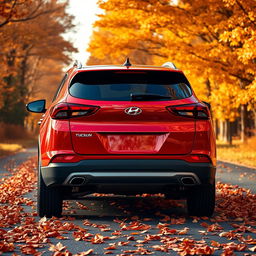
198, 111
68, 110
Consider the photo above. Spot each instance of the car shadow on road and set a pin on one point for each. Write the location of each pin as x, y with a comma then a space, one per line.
125, 207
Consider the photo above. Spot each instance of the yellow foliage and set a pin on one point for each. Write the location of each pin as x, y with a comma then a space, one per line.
10, 147
238, 153
213, 41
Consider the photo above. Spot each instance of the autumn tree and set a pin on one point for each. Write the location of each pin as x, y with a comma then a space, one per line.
12, 11
103, 56
25, 47
43, 83
213, 41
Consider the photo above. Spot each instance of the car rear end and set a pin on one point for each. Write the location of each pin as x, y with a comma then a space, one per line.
130, 130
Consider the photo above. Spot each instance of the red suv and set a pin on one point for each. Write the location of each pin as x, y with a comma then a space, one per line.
125, 130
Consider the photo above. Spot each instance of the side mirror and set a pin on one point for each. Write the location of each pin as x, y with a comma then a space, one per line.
207, 104
37, 106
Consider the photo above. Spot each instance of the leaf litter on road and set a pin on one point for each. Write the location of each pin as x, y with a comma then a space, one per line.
229, 231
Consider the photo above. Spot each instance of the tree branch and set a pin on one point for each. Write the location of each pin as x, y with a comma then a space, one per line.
10, 14
32, 15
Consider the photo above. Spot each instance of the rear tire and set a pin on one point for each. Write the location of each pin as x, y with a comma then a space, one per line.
201, 201
49, 199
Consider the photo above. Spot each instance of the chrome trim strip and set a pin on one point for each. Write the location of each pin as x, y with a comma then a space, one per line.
130, 174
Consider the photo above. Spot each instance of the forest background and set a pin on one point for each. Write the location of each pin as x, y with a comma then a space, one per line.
213, 42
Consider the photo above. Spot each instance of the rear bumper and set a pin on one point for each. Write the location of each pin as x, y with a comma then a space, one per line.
127, 171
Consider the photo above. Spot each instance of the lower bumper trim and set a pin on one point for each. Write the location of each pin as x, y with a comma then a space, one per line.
121, 171
99, 176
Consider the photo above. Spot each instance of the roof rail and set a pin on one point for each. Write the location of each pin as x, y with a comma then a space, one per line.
77, 64
169, 65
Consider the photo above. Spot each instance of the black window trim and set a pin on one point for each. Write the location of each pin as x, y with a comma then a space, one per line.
71, 83
60, 87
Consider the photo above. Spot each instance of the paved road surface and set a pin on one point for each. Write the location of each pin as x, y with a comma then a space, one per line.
237, 175
226, 172
151, 210
15, 160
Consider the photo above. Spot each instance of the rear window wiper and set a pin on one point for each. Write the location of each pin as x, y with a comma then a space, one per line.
148, 96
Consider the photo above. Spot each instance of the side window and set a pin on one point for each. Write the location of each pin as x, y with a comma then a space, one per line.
60, 87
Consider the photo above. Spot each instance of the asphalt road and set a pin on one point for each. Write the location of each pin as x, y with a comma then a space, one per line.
237, 175
226, 172
111, 210
11, 162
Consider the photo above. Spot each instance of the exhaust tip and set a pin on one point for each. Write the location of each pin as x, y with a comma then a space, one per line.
188, 181
77, 181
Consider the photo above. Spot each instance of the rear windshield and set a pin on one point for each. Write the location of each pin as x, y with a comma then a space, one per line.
130, 85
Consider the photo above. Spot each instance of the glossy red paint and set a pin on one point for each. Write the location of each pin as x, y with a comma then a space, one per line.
74, 158
109, 133
154, 131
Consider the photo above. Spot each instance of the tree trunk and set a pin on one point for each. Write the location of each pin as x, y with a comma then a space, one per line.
222, 130
226, 131
225, 137
208, 86
229, 132
254, 121
216, 128
243, 134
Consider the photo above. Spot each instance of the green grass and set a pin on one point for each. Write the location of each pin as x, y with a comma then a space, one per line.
241, 153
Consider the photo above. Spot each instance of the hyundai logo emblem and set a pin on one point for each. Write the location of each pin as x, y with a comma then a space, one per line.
133, 111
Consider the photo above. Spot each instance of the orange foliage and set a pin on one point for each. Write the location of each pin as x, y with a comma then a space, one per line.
30, 51
213, 41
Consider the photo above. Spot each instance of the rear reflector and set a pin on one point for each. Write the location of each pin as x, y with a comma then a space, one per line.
65, 159
198, 159
67, 110
197, 111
